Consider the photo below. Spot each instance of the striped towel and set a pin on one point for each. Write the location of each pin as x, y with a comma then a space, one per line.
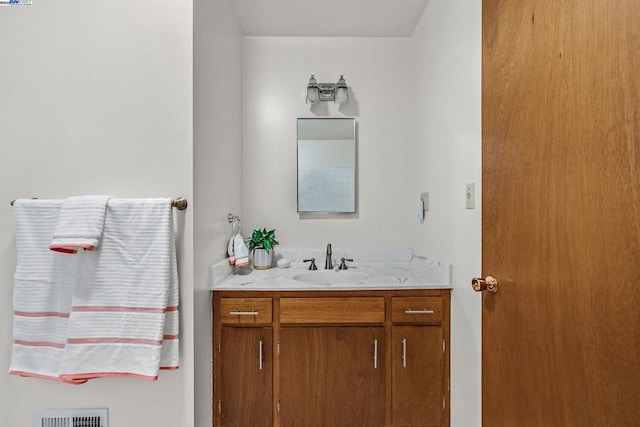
108, 312
43, 284
124, 319
80, 223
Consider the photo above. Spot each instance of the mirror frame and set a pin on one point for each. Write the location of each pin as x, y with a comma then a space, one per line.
355, 168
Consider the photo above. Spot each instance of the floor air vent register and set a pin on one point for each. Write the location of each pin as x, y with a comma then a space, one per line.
71, 418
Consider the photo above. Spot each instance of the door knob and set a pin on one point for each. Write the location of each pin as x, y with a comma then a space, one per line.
490, 284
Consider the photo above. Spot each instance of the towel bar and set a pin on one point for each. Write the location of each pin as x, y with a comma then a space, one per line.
179, 203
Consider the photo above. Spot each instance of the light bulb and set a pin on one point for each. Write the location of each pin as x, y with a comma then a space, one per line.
312, 95
342, 96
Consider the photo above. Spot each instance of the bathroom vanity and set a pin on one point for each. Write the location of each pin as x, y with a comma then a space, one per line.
293, 347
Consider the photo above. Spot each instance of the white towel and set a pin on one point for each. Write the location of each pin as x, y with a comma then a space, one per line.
124, 319
42, 292
230, 250
80, 223
240, 250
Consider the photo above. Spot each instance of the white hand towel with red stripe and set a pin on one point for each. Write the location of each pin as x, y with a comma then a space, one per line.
43, 285
80, 223
124, 316
241, 251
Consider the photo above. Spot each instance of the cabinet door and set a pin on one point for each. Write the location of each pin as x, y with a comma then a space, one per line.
417, 376
246, 377
332, 376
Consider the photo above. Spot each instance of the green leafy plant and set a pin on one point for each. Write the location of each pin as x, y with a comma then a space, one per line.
263, 239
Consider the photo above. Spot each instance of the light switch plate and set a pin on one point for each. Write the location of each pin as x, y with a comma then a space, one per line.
470, 196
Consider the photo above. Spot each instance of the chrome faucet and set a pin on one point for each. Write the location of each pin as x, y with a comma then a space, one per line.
328, 263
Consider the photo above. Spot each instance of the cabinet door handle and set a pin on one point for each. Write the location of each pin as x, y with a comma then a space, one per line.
375, 354
404, 352
423, 311
243, 313
260, 354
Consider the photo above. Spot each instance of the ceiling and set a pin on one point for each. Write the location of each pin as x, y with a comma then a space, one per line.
329, 18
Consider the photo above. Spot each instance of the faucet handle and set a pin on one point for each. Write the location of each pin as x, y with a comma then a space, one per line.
343, 264
312, 266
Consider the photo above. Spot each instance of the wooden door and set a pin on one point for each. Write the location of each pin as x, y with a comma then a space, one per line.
331, 376
417, 376
246, 377
561, 212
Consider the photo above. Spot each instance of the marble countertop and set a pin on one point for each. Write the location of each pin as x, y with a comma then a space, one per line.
370, 270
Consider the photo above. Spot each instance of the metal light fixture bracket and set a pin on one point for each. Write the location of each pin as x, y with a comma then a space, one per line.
324, 91
327, 91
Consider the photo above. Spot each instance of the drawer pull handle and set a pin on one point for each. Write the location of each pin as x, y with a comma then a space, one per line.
423, 311
404, 352
260, 355
375, 354
243, 313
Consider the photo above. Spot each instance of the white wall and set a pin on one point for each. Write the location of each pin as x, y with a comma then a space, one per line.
417, 102
446, 50
276, 72
96, 97
217, 164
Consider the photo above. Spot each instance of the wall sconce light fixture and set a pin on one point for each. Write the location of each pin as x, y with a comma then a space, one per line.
336, 92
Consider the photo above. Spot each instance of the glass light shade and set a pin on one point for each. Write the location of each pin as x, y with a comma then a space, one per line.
342, 96
312, 95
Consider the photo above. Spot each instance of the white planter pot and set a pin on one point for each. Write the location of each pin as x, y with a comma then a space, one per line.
262, 259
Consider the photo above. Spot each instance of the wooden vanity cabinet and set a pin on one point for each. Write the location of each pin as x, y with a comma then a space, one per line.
243, 368
328, 377
331, 369
331, 358
246, 380
418, 396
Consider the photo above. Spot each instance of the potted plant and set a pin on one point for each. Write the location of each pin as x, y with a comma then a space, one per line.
261, 245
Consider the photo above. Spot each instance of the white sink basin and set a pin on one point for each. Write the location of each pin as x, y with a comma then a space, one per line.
331, 277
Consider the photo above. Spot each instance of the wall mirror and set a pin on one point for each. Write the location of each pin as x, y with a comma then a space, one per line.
326, 165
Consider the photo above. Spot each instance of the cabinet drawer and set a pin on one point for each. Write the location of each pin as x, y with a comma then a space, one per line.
332, 310
245, 310
423, 310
